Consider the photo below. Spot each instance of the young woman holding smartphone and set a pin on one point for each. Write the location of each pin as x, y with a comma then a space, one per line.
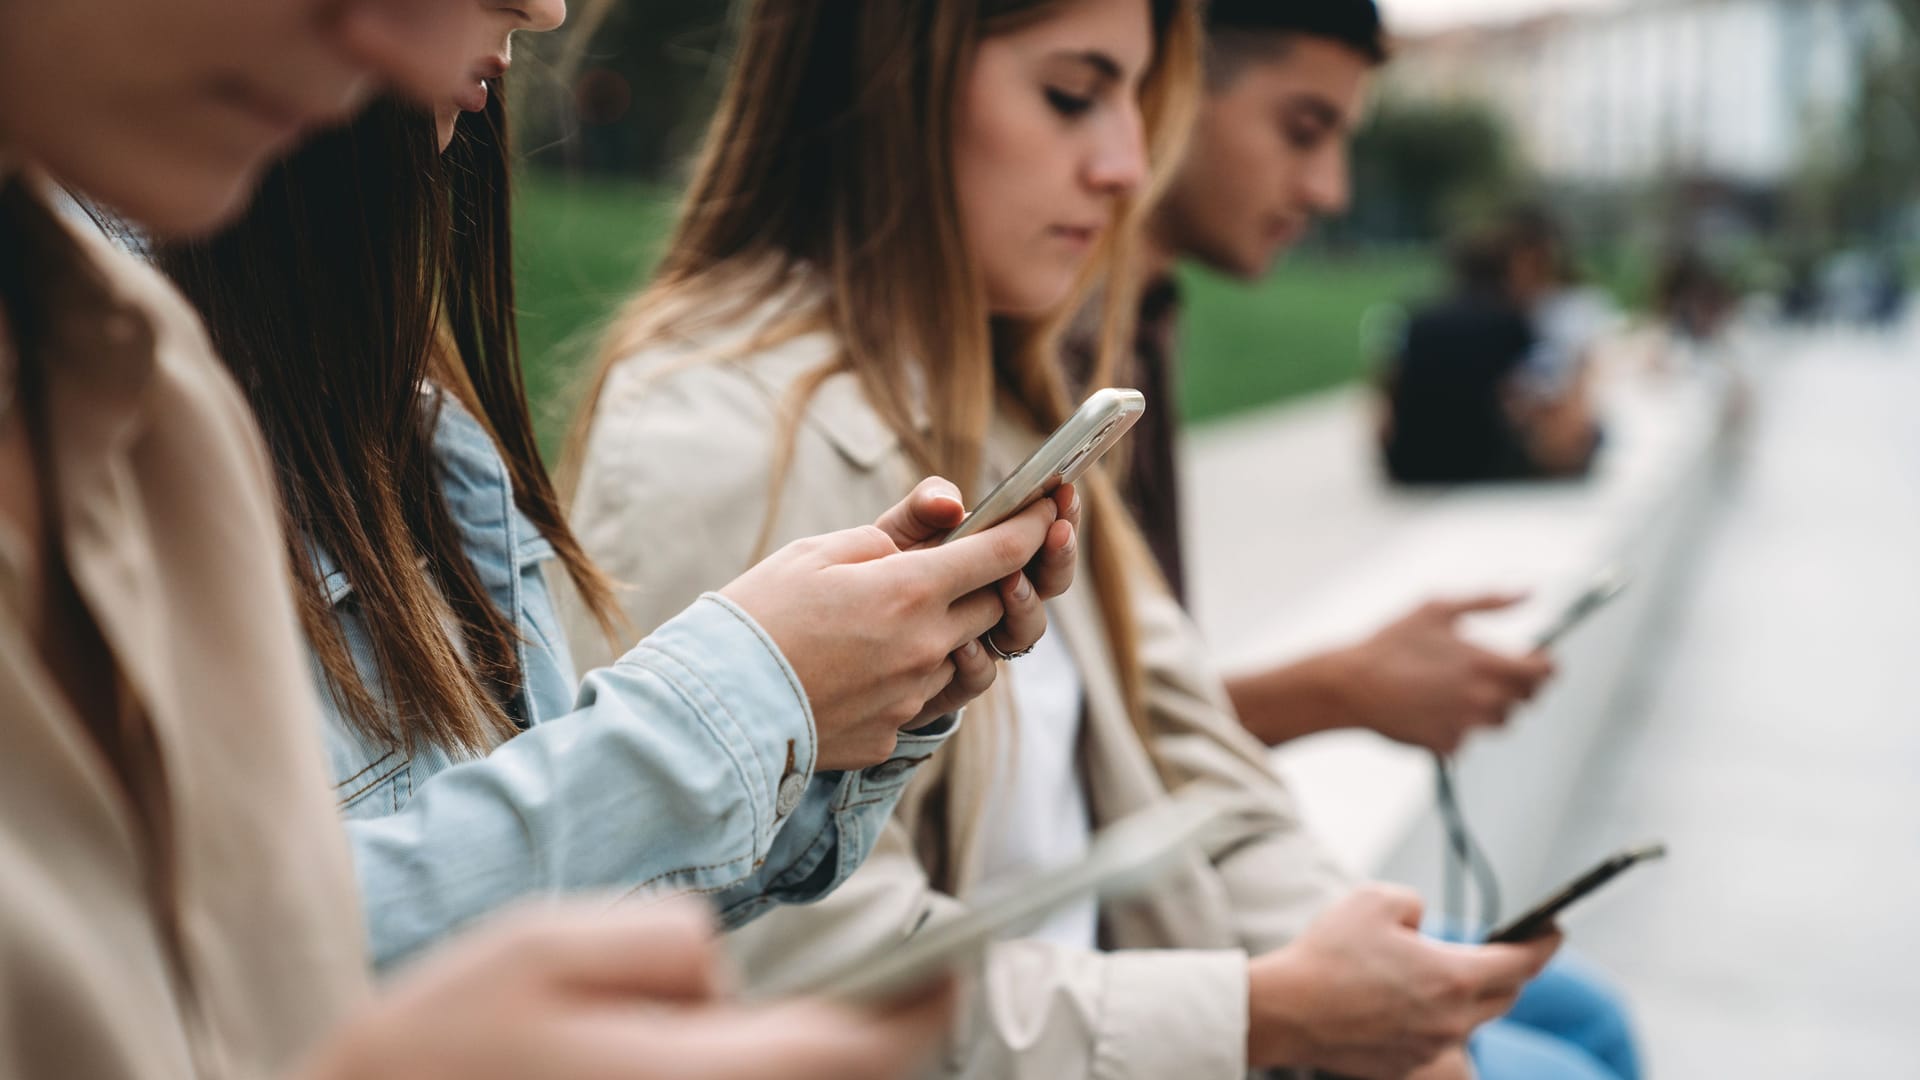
898, 205
175, 899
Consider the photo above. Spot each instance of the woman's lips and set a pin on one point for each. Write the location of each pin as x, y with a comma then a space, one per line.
474, 98
1079, 237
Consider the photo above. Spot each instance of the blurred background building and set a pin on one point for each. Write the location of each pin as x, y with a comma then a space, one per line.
1735, 91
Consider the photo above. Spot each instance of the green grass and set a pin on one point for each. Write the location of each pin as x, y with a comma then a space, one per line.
581, 247
584, 245
1297, 331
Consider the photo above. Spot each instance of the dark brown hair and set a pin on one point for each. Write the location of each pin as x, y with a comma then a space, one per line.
370, 264
1353, 23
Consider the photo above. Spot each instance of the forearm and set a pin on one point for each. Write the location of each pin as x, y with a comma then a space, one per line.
678, 770
1304, 698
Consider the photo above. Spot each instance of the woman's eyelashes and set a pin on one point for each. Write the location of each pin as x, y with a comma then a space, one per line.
1069, 105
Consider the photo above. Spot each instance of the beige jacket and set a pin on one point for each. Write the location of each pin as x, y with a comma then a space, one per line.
672, 499
175, 898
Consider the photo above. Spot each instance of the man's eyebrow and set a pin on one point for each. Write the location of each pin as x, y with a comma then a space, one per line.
1320, 109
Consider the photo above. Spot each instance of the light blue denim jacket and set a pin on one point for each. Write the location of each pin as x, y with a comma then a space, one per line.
685, 767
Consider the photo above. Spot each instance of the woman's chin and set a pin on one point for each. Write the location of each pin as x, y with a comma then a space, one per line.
1031, 299
182, 204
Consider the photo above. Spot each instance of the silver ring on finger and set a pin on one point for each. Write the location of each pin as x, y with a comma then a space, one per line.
1001, 654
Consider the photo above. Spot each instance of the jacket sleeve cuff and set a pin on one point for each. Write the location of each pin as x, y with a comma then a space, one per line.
1201, 995
838, 824
716, 655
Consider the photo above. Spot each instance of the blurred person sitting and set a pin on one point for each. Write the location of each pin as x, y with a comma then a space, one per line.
176, 899
1286, 88
1570, 318
1698, 302
1462, 405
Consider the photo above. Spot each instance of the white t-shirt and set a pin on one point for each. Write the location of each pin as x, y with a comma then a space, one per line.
1037, 816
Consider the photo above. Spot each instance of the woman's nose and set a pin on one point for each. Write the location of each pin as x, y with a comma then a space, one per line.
1119, 165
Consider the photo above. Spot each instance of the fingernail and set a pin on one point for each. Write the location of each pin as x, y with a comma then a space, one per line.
1022, 589
1073, 540
971, 650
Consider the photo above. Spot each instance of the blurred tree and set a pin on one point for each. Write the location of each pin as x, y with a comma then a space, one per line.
1860, 178
1420, 168
640, 87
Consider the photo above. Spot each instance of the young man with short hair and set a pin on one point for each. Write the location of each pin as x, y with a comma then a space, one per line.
1287, 84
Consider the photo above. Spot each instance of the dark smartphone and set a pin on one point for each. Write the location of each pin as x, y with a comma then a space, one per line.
1540, 920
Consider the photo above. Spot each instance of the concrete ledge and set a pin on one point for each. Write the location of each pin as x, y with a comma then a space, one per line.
1298, 546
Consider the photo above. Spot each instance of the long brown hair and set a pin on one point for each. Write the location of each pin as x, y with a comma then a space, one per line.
370, 264
831, 159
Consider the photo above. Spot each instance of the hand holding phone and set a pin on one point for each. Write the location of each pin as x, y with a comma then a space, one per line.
1064, 458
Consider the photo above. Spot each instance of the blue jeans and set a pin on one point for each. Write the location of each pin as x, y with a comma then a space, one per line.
1569, 1024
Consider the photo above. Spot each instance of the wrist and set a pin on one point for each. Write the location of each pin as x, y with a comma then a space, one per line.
1303, 698
1338, 680
1278, 987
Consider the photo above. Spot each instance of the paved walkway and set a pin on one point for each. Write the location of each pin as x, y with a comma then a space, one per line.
1774, 742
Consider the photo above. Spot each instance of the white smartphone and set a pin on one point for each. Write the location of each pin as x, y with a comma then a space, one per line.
1064, 458
1124, 859
1606, 587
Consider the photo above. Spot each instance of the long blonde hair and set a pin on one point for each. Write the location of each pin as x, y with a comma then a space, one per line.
830, 160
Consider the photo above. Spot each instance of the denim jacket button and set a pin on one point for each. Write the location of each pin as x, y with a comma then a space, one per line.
792, 789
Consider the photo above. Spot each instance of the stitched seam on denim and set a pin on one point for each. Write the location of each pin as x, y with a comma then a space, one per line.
371, 784
640, 657
799, 692
737, 730
370, 767
701, 890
